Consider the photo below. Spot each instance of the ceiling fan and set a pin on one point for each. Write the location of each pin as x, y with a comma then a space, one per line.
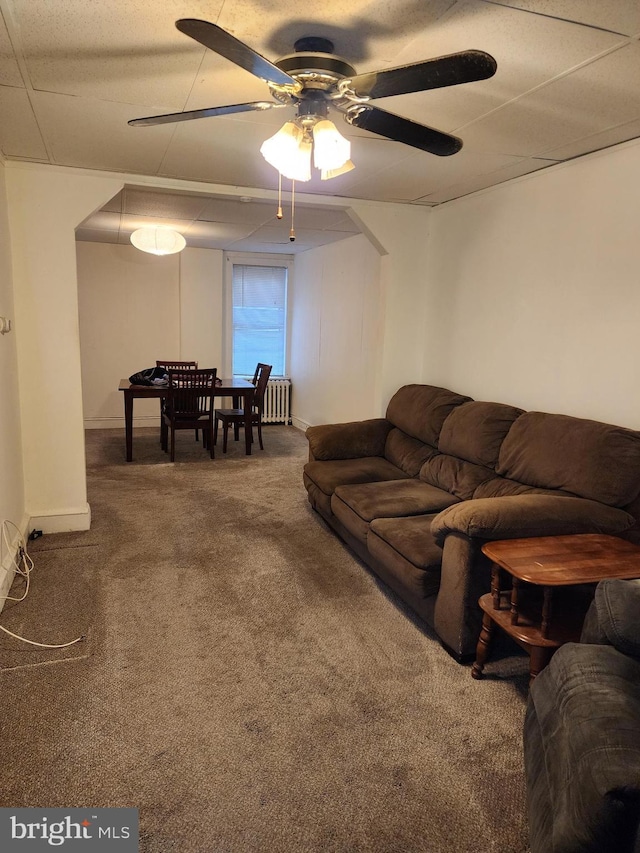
313, 78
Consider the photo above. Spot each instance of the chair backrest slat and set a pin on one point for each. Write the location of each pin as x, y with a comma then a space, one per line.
191, 391
264, 371
178, 365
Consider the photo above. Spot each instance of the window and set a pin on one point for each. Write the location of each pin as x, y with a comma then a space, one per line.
258, 316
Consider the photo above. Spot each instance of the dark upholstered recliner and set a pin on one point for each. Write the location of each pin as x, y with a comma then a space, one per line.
582, 734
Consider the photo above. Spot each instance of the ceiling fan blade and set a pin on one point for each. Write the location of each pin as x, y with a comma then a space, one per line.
402, 130
465, 67
206, 113
223, 43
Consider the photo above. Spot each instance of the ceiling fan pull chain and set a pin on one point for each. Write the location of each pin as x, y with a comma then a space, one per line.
279, 213
292, 233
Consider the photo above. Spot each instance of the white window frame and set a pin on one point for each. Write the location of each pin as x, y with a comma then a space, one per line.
257, 260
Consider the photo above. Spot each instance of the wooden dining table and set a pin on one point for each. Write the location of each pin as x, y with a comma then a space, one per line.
235, 387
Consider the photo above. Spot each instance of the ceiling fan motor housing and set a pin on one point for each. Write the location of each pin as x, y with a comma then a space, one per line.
316, 70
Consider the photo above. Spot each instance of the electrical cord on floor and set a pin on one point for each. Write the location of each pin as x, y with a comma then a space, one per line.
24, 567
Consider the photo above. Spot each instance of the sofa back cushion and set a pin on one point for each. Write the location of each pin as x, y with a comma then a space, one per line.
420, 410
591, 459
456, 476
409, 454
475, 431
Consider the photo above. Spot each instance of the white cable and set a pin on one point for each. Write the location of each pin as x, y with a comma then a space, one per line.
24, 567
42, 645
25, 558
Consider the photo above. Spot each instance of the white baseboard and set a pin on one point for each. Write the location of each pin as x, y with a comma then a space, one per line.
298, 424
118, 423
62, 522
8, 567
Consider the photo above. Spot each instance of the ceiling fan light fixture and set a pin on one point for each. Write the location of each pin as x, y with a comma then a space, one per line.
299, 166
158, 240
327, 174
282, 146
330, 149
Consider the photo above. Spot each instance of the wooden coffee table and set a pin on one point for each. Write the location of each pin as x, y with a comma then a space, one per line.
546, 604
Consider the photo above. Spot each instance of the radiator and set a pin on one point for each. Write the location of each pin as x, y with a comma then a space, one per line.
276, 402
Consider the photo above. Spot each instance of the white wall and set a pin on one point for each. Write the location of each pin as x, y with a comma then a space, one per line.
135, 308
401, 232
535, 291
336, 332
45, 204
12, 505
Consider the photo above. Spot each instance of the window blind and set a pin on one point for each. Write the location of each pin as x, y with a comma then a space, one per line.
259, 318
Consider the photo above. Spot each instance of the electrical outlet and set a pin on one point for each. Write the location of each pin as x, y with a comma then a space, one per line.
5, 325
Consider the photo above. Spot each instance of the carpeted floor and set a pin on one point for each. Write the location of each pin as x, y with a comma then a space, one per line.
245, 682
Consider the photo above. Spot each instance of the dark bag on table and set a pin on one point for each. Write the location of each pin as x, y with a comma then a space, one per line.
150, 376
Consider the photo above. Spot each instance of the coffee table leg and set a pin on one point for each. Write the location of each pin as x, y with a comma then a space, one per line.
539, 658
128, 424
495, 586
483, 647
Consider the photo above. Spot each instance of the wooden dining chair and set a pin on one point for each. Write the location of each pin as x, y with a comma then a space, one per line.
190, 406
236, 417
172, 365
256, 373
178, 365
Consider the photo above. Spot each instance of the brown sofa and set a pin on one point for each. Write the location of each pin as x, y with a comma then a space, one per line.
416, 493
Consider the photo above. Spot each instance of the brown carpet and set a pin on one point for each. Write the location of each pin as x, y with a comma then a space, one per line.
246, 683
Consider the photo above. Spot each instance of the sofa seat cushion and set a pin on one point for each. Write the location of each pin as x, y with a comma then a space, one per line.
357, 505
406, 549
410, 537
393, 499
590, 459
582, 752
333, 473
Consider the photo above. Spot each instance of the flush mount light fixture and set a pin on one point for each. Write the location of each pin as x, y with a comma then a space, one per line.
158, 240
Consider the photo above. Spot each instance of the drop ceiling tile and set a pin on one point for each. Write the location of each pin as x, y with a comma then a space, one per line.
324, 219
600, 95
309, 237
611, 136
421, 174
220, 233
103, 219
95, 135
371, 155
220, 82
19, 132
115, 205
129, 224
162, 204
529, 50
9, 70
228, 210
473, 184
620, 16
96, 235
129, 51
231, 158
368, 32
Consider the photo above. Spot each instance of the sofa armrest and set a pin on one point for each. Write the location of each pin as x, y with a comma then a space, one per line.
613, 616
521, 516
353, 440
